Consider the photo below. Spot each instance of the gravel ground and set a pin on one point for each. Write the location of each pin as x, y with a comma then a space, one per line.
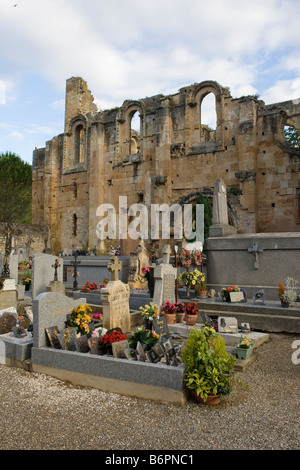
38, 412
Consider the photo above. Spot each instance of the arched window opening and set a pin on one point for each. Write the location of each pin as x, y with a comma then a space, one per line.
208, 118
292, 136
135, 133
79, 144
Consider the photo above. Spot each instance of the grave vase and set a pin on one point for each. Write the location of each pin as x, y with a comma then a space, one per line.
151, 282
188, 291
180, 316
190, 319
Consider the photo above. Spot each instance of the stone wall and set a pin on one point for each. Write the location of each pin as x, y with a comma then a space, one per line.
99, 157
26, 239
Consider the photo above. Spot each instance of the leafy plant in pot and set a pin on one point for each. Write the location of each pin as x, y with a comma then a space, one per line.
244, 348
209, 368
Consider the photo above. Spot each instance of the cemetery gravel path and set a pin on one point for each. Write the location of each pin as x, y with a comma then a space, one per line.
38, 412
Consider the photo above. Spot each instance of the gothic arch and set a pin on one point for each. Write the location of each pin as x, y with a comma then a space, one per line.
198, 140
129, 141
75, 144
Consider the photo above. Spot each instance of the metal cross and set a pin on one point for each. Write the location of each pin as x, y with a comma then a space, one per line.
75, 274
255, 250
56, 266
114, 267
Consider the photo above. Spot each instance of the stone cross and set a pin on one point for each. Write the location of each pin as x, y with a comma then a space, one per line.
255, 250
114, 267
166, 254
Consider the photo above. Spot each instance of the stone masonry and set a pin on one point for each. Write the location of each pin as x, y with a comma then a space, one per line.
172, 158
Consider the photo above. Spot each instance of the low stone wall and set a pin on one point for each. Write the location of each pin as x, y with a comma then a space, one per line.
230, 263
144, 380
92, 269
27, 239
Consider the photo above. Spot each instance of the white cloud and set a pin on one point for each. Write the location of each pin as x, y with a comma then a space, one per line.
285, 89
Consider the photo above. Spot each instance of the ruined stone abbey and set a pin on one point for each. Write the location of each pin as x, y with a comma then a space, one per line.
171, 158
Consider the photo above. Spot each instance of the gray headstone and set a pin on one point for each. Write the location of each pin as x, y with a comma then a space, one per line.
51, 309
42, 272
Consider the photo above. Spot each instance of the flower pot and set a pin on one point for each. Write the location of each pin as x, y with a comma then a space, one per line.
202, 294
180, 317
190, 319
170, 317
27, 287
210, 400
188, 291
284, 304
244, 353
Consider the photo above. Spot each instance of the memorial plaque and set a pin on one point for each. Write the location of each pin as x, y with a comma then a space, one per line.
227, 325
237, 296
95, 345
152, 356
68, 339
140, 352
119, 347
259, 297
52, 333
82, 344
160, 326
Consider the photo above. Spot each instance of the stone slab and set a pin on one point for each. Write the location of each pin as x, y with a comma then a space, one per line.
15, 349
157, 382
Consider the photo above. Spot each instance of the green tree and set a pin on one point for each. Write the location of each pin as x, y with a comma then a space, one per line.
15, 189
292, 136
208, 214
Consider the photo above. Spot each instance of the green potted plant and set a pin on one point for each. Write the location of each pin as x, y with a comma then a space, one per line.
146, 337
244, 348
200, 287
208, 366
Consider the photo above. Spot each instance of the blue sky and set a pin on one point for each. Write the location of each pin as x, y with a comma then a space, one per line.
137, 48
